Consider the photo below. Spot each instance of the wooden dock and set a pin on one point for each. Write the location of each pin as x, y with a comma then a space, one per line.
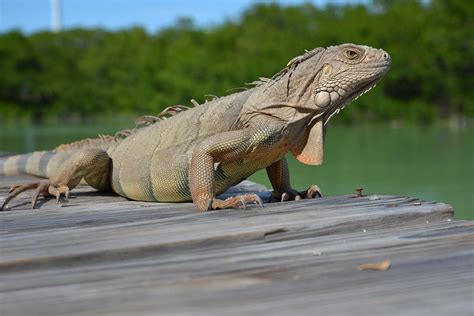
105, 255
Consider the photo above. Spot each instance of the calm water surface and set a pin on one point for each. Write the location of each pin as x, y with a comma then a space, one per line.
431, 163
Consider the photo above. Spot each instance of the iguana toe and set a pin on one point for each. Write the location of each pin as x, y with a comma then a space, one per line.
57, 190
313, 191
290, 195
234, 202
16, 190
44, 187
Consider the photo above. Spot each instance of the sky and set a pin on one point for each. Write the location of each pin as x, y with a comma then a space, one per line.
35, 15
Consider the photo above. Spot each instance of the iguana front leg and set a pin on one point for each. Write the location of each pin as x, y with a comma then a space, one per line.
92, 164
279, 176
223, 147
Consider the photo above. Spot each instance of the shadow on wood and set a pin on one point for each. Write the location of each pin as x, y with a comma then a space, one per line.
103, 254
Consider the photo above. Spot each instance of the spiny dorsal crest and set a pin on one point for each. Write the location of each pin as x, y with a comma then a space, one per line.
103, 141
163, 115
290, 66
146, 120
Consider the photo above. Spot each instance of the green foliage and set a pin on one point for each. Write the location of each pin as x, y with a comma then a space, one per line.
82, 73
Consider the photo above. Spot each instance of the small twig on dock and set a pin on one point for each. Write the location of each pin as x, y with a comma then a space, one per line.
359, 192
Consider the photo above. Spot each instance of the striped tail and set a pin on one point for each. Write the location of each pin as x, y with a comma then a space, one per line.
38, 163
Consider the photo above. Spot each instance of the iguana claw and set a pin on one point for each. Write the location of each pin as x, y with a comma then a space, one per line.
44, 187
57, 190
234, 201
312, 192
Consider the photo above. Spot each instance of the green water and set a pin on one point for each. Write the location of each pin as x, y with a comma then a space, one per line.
432, 163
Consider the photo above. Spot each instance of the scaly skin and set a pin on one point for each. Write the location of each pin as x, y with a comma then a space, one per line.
199, 153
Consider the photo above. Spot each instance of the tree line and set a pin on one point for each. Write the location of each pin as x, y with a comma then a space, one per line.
83, 73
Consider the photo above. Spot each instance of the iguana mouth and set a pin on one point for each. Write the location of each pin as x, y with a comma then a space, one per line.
351, 97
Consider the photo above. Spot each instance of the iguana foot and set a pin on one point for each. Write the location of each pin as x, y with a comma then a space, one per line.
232, 202
236, 201
45, 187
289, 195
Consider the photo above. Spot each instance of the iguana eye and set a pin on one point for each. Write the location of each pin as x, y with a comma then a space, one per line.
351, 54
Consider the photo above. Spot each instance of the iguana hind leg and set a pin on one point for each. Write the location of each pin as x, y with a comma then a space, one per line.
279, 176
92, 164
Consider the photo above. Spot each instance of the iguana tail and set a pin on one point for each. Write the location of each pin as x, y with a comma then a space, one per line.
35, 163
44, 163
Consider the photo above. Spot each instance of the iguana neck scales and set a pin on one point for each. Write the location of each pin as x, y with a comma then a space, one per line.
200, 152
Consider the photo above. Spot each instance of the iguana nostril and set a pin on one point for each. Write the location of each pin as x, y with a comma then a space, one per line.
385, 56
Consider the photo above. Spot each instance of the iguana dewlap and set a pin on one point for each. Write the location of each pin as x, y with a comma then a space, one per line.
199, 153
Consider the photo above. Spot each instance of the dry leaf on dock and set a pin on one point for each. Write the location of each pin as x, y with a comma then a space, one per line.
379, 266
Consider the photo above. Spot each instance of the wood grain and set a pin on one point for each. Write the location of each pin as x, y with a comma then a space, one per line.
104, 255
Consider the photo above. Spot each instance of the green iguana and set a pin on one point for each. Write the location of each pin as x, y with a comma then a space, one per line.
199, 153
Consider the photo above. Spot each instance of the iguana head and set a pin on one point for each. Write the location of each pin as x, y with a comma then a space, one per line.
346, 72
327, 80
315, 86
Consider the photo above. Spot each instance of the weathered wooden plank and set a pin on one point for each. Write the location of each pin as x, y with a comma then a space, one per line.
167, 227
107, 255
